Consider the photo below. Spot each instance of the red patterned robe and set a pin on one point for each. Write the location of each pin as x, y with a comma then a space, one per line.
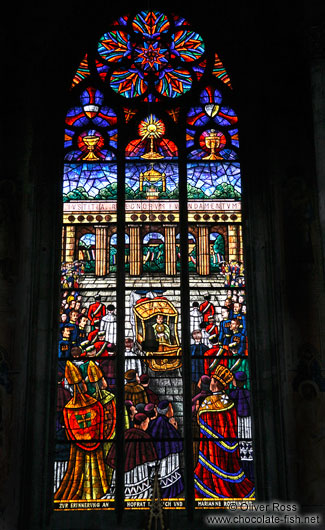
213, 357
208, 311
86, 476
218, 473
96, 312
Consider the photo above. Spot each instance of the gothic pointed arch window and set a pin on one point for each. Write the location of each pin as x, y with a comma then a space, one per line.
153, 363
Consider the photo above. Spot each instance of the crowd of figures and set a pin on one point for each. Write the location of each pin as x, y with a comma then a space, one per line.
71, 273
85, 460
85, 463
233, 273
221, 405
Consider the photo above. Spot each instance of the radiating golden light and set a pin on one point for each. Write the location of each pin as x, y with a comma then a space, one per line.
151, 127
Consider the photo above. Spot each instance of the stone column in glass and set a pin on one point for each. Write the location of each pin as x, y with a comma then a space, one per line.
101, 250
233, 242
135, 250
70, 243
203, 251
170, 250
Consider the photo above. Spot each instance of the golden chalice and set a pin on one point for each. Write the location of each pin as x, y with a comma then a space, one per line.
212, 141
91, 141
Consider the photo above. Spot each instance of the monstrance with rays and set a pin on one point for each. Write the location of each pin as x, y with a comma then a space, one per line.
151, 128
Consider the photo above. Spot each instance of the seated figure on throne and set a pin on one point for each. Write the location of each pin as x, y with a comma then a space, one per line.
161, 329
156, 323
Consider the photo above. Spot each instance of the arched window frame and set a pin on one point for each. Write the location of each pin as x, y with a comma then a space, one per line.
48, 261
91, 91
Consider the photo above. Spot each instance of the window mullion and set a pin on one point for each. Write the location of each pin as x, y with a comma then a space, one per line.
120, 317
185, 306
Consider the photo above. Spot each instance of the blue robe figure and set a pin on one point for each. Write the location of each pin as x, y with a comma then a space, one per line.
224, 332
197, 355
81, 336
65, 345
168, 445
74, 333
241, 319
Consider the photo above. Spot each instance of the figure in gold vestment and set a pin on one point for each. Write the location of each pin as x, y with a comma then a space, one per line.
86, 476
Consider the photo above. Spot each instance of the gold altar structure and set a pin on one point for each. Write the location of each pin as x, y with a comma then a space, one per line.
152, 176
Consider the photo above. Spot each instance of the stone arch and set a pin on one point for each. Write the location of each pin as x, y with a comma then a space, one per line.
112, 250
86, 247
153, 251
222, 230
192, 250
217, 250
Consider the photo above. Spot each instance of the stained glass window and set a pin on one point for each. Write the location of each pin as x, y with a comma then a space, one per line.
153, 365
